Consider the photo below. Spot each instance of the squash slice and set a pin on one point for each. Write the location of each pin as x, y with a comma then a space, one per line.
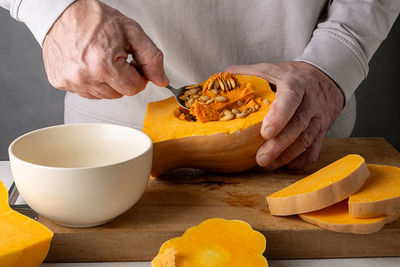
336, 218
214, 243
321, 189
23, 241
380, 194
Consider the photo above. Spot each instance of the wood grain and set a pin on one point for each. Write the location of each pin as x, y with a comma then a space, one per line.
183, 198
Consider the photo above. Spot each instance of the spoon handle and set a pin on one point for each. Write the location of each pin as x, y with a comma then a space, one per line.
173, 90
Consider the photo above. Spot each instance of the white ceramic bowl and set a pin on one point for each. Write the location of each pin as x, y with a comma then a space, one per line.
81, 175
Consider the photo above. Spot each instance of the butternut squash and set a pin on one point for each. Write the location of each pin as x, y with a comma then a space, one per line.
380, 194
182, 139
321, 189
214, 243
336, 218
23, 241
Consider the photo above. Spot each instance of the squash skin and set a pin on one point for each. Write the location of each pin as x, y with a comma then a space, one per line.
209, 152
23, 241
216, 146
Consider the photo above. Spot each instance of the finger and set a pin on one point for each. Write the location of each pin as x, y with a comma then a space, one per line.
147, 55
84, 93
287, 100
311, 155
104, 91
123, 78
81, 91
300, 145
273, 147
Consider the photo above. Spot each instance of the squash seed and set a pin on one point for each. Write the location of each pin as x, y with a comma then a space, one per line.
248, 110
242, 115
227, 112
183, 97
227, 117
221, 98
223, 113
240, 103
256, 107
216, 85
193, 91
214, 91
209, 101
221, 85
204, 98
191, 102
232, 82
195, 96
266, 102
235, 111
201, 102
210, 85
226, 85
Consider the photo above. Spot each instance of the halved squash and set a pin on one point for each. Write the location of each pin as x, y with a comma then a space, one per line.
221, 146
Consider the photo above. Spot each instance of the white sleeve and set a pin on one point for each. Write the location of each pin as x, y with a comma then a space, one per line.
38, 15
344, 42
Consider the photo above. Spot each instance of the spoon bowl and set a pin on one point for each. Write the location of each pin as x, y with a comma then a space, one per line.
178, 93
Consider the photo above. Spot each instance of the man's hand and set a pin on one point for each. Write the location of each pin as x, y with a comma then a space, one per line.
307, 103
85, 52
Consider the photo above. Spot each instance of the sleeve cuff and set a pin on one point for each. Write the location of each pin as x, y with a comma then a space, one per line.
39, 15
338, 58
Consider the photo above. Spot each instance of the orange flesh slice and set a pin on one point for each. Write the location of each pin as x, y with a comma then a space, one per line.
384, 183
332, 173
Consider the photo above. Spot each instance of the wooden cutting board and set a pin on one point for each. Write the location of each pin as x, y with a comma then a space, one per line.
184, 198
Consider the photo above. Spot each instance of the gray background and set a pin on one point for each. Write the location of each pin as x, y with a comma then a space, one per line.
28, 102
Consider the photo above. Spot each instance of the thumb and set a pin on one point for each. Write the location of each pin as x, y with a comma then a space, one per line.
147, 56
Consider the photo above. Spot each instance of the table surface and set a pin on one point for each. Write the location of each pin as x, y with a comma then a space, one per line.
6, 178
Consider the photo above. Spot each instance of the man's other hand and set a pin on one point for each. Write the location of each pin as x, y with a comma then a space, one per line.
307, 103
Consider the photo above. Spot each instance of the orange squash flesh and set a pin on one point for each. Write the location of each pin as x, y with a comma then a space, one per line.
214, 243
321, 189
221, 146
23, 241
380, 195
336, 218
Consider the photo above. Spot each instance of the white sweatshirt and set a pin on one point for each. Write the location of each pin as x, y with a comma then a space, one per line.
199, 38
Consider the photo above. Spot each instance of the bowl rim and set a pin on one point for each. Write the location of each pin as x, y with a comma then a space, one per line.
13, 156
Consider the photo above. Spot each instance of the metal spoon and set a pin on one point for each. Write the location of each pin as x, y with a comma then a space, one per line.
178, 93
21, 208
181, 91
